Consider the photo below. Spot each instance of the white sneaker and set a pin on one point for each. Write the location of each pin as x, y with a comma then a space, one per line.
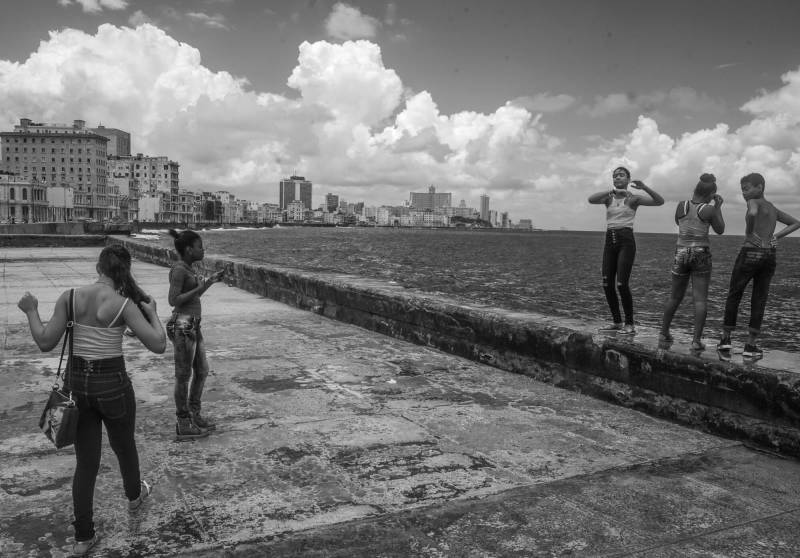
144, 493
82, 548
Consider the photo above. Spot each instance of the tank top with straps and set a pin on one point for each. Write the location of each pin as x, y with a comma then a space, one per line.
619, 214
692, 229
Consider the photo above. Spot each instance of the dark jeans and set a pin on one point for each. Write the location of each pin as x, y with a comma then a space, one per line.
618, 256
758, 265
191, 365
104, 395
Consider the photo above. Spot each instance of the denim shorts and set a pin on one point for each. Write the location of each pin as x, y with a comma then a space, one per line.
695, 260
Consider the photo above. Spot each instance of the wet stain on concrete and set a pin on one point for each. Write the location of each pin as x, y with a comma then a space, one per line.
289, 456
269, 384
31, 487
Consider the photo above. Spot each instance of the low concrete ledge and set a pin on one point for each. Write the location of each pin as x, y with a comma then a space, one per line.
747, 402
48, 240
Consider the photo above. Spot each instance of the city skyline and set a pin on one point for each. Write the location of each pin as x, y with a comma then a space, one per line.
530, 103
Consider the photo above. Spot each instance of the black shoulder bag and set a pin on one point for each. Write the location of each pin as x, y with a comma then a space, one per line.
59, 420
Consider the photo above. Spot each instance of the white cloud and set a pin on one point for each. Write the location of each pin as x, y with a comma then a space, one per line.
354, 129
95, 6
346, 22
216, 21
138, 18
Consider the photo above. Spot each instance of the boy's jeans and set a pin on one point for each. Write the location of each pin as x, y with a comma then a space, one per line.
190, 356
757, 264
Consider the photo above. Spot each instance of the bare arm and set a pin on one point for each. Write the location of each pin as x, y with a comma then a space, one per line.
717, 222
600, 197
655, 197
46, 335
177, 298
792, 224
149, 331
679, 213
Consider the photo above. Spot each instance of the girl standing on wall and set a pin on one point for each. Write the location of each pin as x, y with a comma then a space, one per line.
620, 244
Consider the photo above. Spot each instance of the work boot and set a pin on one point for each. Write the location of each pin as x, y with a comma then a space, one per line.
188, 430
203, 422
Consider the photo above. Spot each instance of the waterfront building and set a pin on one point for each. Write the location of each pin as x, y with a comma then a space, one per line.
22, 200
525, 224
61, 203
484, 207
294, 188
331, 202
210, 208
119, 141
430, 200
148, 175
65, 156
295, 211
504, 220
120, 175
183, 206
152, 206
228, 202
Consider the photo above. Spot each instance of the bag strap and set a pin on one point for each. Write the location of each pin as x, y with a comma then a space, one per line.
67, 336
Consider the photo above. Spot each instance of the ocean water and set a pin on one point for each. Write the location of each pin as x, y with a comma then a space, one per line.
552, 272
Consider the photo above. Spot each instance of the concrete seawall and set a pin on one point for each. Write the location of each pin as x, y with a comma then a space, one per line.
757, 402
51, 240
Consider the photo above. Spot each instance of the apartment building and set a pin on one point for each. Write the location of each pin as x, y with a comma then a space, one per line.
66, 156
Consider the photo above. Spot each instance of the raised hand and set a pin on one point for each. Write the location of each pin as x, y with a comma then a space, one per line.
28, 303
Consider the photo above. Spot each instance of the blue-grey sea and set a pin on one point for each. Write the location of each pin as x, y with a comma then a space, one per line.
551, 272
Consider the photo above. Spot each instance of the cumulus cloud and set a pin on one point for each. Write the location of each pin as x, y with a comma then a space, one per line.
346, 22
354, 128
95, 6
138, 18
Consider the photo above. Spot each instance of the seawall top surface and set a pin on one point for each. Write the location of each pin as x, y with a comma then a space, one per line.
333, 440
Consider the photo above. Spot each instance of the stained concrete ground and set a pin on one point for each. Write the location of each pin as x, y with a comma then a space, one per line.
336, 441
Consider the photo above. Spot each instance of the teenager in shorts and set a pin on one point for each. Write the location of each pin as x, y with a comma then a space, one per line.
191, 364
693, 256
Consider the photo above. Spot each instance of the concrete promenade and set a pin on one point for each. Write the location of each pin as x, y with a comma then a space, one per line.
336, 441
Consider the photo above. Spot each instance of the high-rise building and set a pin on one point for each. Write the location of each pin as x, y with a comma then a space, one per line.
484, 207
119, 141
62, 156
331, 202
294, 188
430, 200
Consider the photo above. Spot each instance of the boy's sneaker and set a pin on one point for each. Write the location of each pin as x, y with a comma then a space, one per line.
144, 493
614, 326
82, 548
627, 329
203, 422
724, 343
752, 351
186, 429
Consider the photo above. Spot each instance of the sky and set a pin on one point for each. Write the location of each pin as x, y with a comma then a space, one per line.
530, 102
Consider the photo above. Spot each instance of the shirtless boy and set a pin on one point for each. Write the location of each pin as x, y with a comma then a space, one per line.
756, 261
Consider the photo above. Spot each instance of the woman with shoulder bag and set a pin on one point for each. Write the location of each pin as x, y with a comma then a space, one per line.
97, 378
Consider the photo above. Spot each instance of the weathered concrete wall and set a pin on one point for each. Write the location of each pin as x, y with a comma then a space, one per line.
42, 228
46, 240
753, 403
